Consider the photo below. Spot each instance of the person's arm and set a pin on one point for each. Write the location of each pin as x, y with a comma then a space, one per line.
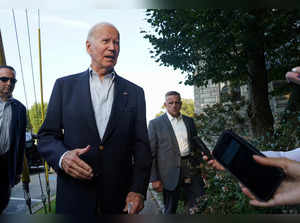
21, 149
142, 158
289, 190
51, 145
292, 155
154, 177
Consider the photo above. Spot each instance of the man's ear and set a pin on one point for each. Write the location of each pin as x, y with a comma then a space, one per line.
87, 45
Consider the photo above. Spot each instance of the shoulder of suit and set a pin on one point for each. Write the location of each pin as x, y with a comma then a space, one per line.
158, 119
19, 104
188, 118
73, 76
129, 83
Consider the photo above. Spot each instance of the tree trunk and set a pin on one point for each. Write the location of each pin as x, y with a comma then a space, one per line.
2, 55
260, 112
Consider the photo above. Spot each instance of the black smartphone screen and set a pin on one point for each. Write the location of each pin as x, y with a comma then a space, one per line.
236, 155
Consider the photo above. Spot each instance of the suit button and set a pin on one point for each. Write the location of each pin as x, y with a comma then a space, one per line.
101, 147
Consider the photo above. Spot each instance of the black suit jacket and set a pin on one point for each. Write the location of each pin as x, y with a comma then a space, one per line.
122, 166
17, 140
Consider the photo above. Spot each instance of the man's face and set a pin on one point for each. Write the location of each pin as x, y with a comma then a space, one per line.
173, 105
104, 48
6, 86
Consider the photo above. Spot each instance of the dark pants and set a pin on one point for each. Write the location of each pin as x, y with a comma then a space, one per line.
188, 191
4, 186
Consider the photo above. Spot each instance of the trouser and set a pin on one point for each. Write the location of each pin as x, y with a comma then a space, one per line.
190, 190
4, 186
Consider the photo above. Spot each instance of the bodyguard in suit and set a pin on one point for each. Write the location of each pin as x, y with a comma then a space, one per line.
170, 138
12, 135
95, 135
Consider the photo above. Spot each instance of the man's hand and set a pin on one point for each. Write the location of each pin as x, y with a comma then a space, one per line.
157, 186
135, 201
213, 163
74, 166
288, 191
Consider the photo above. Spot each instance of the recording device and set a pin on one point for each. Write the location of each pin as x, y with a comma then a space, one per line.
200, 144
236, 155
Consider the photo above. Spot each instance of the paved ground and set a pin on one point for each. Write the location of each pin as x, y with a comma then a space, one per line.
152, 206
17, 204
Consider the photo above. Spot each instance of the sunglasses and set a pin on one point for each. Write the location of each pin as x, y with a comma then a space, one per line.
5, 79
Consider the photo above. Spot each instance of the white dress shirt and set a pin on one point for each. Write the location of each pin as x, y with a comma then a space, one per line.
180, 131
102, 95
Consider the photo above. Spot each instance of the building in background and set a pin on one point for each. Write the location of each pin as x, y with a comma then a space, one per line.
212, 94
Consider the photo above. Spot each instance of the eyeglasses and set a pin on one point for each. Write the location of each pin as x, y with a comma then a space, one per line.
5, 79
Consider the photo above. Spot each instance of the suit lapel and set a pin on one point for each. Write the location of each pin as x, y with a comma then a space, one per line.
171, 133
84, 95
119, 103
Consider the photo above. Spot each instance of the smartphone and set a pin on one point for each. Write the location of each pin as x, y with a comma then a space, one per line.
236, 155
200, 144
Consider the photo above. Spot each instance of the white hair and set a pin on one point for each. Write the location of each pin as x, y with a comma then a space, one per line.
92, 31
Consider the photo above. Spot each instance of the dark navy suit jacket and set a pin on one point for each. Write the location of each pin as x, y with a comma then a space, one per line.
17, 140
123, 164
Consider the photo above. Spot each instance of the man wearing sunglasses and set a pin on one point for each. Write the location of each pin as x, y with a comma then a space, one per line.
12, 135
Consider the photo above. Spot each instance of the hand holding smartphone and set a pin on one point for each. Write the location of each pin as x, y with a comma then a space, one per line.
236, 155
200, 144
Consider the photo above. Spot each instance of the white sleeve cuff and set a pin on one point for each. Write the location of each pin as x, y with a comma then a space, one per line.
292, 155
60, 159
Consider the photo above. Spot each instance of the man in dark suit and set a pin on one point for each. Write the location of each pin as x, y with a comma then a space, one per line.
95, 135
170, 138
12, 135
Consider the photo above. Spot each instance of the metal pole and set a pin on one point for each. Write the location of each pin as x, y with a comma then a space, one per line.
2, 55
42, 111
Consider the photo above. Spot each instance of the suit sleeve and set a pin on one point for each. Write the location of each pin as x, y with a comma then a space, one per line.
50, 134
195, 149
154, 147
21, 150
141, 149
193, 128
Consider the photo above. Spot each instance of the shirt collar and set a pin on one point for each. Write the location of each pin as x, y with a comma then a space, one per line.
9, 100
110, 76
171, 118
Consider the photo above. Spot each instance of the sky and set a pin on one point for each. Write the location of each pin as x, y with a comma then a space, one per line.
63, 36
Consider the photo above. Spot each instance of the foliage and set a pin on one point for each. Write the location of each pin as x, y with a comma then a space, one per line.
214, 42
241, 46
36, 116
187, 108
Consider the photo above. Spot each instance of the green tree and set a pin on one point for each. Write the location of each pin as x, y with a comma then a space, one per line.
241, 46
35, 116
187, 108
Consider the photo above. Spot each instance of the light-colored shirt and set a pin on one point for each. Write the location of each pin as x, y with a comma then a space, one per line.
180, 131
292, 155
5, 121
102, 95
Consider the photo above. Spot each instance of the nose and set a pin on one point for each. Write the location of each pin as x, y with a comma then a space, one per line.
113, 46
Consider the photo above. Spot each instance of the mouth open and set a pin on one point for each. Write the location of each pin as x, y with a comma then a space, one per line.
110, 57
